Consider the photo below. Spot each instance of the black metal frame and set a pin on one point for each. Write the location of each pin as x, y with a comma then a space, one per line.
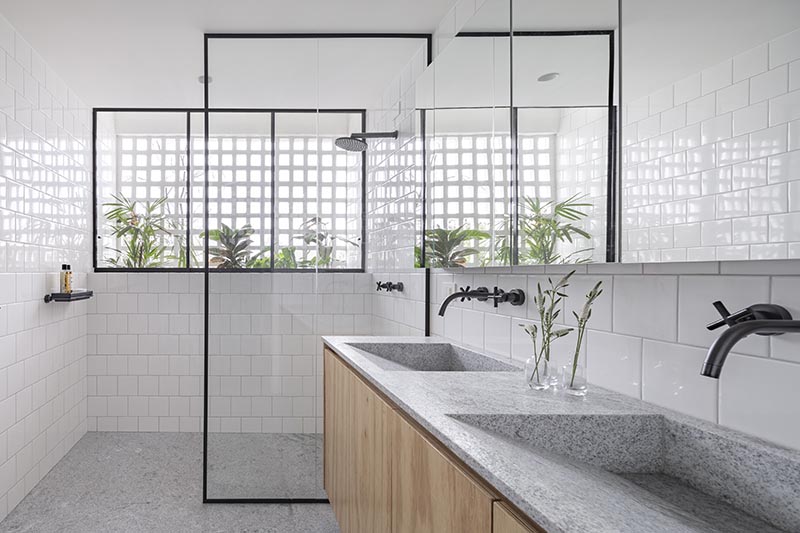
612, 214
206, 269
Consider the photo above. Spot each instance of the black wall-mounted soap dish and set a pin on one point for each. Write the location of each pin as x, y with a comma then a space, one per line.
68, 296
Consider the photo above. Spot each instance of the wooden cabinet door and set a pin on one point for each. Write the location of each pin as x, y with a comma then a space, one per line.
505, 521
372, 462
430, 494
357, 459
337, 411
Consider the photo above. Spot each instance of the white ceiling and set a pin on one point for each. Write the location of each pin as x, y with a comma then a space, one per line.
540, 15
150, 52
306, 73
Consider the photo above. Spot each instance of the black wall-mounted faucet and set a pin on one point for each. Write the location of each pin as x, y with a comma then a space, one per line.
514, 296
388, 286
761, 319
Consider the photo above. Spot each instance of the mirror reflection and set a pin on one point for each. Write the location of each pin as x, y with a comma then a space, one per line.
710, 144
518, 134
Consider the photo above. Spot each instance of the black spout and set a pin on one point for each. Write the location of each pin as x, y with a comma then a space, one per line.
761, 319
481, 294
514, 297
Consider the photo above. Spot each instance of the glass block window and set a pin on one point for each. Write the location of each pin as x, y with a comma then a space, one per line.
239, 189
317, 190
142, 191
537, 165
315, 196
470, 185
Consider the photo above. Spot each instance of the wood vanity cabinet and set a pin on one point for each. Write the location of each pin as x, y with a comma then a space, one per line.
385, 475
504, 520
430, 494
357, 463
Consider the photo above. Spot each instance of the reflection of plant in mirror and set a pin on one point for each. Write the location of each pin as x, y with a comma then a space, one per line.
502, 245
141, 232
314, 232
544, 225
445, 248
233, 250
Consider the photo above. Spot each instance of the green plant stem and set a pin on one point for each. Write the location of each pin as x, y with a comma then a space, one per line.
577, 354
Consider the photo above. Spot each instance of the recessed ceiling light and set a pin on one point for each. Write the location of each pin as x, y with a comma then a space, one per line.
550, 76
202, 79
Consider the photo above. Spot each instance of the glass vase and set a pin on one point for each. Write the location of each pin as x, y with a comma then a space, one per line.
572, 379
537, 374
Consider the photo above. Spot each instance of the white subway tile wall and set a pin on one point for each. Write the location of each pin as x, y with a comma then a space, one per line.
45, 195
145, 362
672, 178
647, 337
399, 313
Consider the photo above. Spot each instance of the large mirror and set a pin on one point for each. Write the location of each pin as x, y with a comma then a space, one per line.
518, 133
711, 130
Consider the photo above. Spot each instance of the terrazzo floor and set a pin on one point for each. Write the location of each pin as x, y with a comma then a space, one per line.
152, 482
257, 465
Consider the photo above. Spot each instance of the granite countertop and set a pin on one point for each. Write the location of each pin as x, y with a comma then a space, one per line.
480, 416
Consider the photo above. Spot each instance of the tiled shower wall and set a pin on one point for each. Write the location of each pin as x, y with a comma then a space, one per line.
394, 189
45, 154
394, 207
703, 151
647, 337
145, 363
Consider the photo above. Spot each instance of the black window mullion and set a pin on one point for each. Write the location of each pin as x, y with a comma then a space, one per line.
273, 194
188, 189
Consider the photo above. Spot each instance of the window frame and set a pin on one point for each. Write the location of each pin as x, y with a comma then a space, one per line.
271, 113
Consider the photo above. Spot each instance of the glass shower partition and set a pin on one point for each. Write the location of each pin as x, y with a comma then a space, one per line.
282, 209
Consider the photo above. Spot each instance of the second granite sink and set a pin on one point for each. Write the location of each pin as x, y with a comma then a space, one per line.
430, 357
678, 464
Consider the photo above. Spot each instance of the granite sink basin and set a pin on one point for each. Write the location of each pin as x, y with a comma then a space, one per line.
618, 443
430, 357
671, 463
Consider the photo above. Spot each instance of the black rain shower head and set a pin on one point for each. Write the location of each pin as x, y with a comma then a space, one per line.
356, 143
351, 144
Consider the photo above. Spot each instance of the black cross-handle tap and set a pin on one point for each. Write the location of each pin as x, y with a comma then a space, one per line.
388, 286
753, 312
514, 296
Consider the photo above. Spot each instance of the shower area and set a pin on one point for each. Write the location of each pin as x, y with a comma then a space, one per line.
283, 209
256, 204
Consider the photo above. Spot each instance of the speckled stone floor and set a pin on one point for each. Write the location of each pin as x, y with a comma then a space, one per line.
146, 482
272, 465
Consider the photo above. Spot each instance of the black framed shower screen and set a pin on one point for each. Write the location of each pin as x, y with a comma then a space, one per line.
208, 111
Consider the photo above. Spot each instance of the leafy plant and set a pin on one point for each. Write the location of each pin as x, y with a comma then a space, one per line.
446, 248
535, 374
141, 228
285, 258
314, 232
233, 249
583, 319
545, 225
548, 305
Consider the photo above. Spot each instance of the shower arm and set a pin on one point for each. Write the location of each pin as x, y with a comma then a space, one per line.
375, 135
